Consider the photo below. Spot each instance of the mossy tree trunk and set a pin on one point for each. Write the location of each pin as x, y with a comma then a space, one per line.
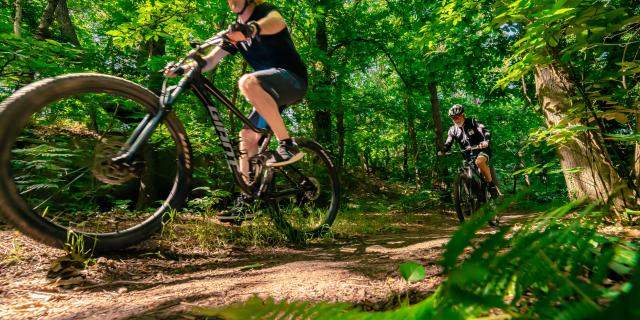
587, 167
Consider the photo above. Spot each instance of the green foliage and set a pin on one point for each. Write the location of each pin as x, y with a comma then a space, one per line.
77, 248
412, 271
256, 308
208, 200
556, 266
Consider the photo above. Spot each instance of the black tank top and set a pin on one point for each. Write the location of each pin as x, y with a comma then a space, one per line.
269, 51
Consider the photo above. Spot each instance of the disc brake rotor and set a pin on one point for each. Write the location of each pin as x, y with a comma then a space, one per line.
104, 169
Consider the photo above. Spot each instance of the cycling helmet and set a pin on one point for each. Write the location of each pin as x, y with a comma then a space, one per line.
456, 110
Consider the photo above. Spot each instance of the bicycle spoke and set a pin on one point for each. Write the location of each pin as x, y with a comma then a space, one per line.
305, 193
62, 189
63, 165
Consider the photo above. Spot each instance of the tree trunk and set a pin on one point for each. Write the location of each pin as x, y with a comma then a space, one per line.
585, 162
436, 115
322, 118
636, 167
365, 159
412, 136
62, 16
405, 160
438, 130
47, 17
341, 133
18, 18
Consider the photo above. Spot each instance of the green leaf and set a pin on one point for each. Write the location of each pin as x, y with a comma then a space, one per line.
412, 271
254, 266
563, 11
632, 212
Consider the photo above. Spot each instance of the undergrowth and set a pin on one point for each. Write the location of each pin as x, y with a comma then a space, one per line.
555, 266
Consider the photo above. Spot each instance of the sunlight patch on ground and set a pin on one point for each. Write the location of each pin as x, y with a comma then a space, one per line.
400, 252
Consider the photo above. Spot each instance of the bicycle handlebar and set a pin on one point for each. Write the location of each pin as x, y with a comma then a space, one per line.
195, 53
477, 147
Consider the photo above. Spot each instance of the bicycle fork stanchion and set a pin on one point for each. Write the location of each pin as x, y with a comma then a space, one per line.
149, 124
141, 135
136, 133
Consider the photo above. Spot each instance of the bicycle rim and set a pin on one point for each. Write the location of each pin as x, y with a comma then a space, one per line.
305, 195
61, 169
464, 202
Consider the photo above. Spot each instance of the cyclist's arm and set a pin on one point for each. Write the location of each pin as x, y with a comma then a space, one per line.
483, 131
272, 23
212, 59
449, 142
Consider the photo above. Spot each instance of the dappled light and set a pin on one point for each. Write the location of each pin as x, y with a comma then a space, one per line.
297, 159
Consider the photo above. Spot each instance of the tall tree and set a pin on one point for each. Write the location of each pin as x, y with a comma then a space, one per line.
559, 40
436, 115
586, 164
17, 20
66, 25
59, 10
46, 20
322, 117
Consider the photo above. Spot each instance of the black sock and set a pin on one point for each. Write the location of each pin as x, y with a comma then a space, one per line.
287, 141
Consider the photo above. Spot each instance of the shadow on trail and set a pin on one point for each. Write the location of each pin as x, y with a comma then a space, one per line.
138, 283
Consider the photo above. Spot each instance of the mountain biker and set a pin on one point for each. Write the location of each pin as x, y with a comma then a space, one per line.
260, 34
470, 132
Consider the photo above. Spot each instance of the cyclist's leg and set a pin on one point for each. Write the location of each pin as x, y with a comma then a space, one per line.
248, 146
482, 161
268, 89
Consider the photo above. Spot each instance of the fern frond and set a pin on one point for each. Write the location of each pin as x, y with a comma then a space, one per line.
256, 308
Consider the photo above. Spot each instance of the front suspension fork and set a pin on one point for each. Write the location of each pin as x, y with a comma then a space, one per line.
140, 136
150, 122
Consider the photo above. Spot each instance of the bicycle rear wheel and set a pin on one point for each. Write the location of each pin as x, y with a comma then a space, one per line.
56, 176
305, 195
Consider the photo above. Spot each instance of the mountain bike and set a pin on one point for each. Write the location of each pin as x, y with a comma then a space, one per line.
470, 191
106, 158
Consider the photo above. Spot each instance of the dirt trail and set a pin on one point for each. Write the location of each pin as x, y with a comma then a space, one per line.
362, 271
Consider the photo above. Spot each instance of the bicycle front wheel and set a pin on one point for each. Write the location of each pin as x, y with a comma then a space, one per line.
56, 177
463, 197
306, 194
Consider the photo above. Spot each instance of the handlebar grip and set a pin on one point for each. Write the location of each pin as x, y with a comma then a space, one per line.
179, 71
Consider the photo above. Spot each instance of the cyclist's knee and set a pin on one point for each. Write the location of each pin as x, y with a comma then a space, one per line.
247, 82
248, 137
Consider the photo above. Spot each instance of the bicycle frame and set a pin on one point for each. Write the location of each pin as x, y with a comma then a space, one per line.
472, 173
203, 89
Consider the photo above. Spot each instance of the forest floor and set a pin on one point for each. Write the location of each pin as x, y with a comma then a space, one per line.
162, 279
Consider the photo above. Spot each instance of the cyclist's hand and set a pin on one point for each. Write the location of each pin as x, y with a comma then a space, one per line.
484, 144
171, 70
240, 32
